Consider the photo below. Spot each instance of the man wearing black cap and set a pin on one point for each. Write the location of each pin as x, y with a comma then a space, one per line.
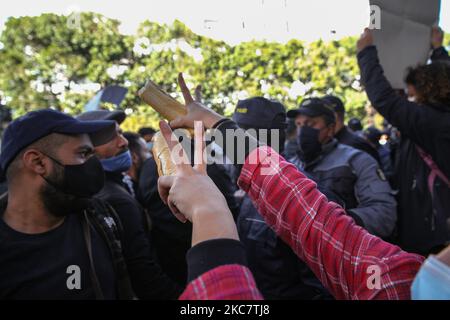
146, 276
343, 134
51, 241
350, 173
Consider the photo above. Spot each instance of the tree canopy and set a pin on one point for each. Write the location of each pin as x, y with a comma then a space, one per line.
46, 63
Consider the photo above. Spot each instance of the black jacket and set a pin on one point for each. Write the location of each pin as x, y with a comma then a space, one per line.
422, 222
440, 54
147, 278
345, 136
171, 239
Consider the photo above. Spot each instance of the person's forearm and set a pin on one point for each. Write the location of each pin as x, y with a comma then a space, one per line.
213, 225
341, 254
380, 92
410, 118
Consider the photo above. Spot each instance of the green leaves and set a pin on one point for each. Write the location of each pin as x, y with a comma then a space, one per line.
45, 63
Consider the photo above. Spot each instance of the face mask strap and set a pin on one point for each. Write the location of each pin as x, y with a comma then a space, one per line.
49, 181
51, 158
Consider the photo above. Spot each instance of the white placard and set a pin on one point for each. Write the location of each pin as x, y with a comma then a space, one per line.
405, 35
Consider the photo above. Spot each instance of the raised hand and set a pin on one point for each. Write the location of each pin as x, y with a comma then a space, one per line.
196, 110
437, 37
365, 40
192, 195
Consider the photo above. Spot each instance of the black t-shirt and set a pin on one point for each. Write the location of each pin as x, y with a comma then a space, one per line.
40, 266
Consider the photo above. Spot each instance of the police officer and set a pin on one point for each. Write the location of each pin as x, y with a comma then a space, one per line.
350, 173
278, 272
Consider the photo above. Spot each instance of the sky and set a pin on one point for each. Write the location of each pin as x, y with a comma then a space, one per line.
233, 21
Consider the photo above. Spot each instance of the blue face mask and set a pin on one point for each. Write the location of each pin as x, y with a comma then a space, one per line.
119, 163
432, 282
149, 146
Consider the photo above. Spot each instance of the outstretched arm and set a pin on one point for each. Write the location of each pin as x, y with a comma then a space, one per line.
343, 255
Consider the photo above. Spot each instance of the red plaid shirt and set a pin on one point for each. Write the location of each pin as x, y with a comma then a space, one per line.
350, 262
230, 282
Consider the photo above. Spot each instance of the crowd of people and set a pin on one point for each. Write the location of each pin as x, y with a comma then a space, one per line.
346, 213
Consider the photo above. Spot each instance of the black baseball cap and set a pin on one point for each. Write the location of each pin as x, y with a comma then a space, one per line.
373, 134
37, 124
314, 107
116, 115
259, 112
335, 102
355, 124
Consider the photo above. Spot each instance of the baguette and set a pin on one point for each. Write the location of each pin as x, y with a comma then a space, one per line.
170, 109
164, 104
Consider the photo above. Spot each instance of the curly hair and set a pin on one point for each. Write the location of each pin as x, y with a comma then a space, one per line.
432, 83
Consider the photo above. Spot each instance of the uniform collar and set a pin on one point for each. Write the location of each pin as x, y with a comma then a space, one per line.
326, 149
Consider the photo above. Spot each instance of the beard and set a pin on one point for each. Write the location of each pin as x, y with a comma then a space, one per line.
58, 203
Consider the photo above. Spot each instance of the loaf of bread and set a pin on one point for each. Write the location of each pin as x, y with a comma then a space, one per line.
161, 154
164, 104
170, 109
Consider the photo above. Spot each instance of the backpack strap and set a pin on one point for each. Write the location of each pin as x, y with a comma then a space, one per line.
435, 171
107, 222
93, 274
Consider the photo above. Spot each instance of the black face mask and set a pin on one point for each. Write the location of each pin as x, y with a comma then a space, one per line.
309, 144
81, 180
60, 204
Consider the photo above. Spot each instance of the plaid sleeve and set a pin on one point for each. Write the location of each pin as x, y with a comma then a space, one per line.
349, 261
229, 282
